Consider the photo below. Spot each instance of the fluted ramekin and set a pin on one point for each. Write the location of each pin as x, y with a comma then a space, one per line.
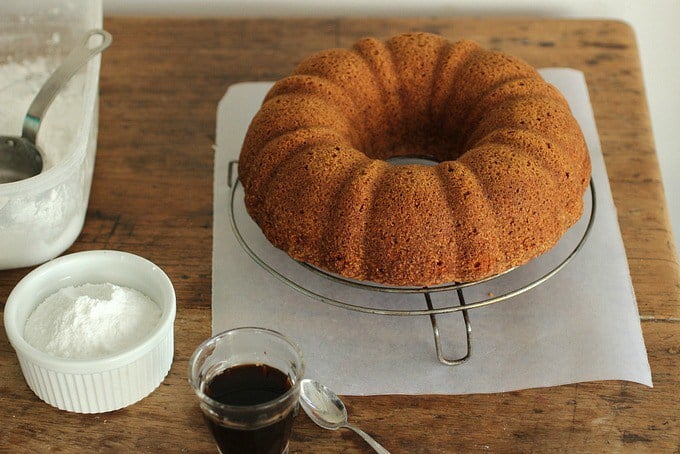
103, 384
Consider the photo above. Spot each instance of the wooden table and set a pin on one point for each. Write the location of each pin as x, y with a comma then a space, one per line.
152, 195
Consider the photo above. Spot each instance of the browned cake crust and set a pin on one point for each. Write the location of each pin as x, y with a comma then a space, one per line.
512, 173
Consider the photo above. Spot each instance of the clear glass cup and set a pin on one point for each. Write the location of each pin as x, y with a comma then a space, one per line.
248, 383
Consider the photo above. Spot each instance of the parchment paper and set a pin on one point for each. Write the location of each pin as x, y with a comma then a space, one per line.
580, 325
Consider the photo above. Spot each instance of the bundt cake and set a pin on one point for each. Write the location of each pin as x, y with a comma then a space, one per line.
320, 179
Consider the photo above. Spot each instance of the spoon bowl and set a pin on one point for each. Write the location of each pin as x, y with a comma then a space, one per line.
19, 159
326, 409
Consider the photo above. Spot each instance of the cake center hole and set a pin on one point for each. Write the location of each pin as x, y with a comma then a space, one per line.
424, 160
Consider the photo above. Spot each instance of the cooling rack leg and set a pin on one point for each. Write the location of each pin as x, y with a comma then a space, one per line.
231, 172
435, 330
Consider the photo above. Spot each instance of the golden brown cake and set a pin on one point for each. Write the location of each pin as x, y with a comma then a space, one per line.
319, 180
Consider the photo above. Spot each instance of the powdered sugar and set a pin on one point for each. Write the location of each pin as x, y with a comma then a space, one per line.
41, 217
20, 81
91, 321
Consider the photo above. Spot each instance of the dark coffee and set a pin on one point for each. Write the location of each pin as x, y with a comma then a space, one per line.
250, 384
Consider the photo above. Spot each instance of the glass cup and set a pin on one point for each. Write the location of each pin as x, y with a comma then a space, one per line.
248, 383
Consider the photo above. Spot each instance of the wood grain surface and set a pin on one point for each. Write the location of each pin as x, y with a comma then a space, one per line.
152, 195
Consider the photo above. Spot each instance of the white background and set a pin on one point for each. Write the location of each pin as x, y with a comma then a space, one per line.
656, 23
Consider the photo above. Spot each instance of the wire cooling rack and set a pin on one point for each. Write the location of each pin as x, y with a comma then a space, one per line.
458, 303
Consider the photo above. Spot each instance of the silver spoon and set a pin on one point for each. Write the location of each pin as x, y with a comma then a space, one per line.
326, 409
20, 157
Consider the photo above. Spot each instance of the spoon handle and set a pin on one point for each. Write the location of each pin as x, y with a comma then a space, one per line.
71, 64
374, 444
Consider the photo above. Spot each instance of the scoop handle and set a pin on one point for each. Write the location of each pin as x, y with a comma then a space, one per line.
71, 64
368, 439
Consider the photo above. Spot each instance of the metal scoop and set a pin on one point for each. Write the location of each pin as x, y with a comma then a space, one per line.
20, 157
326, 409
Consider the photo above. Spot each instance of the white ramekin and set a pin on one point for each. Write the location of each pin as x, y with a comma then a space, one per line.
104, 384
